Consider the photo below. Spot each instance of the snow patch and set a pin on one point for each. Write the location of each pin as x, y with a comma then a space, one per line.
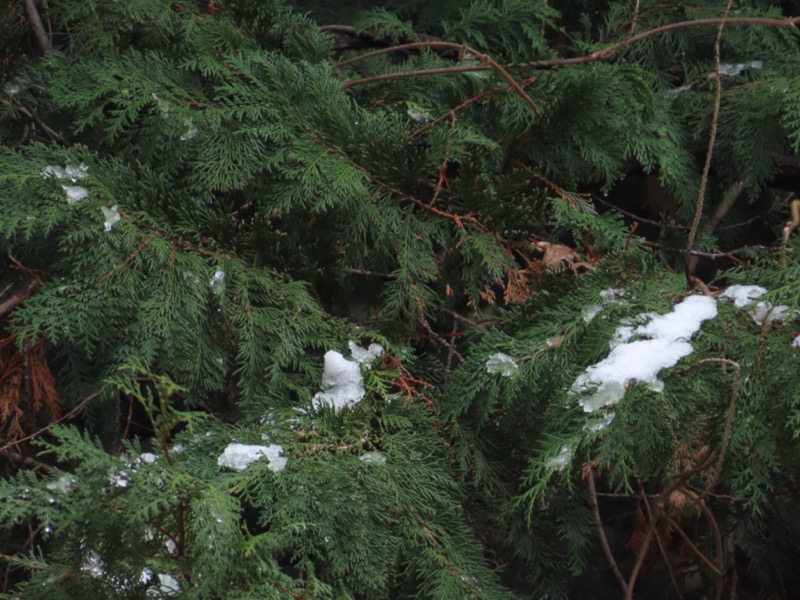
604, 383
217, 282
112, 217
743, 295
561, 460
239, 456
501, 363
75, 193
342, 383
378, 458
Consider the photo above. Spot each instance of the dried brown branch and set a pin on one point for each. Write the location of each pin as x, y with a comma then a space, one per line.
18, 297
83, 404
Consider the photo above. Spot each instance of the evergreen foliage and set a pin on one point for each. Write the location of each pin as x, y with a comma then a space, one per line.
201, 203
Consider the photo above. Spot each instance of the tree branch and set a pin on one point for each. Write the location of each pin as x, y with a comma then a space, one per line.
712, 137
35, 24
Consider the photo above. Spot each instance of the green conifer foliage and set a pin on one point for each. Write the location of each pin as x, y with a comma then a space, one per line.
399, 300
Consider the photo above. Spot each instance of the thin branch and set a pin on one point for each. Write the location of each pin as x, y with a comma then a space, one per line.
18, 297
25, 461
722, 210
634, 21
601, 534
711, 140
83, 404
546, 64
35, 23
480, 56
661, 547
695, 550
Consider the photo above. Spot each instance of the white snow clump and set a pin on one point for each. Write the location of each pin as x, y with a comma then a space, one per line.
501, 363
342, 383
733, 69
609, 296
764, 312
664, 344
561, 460
378, 458
743, 295
239, 456
217, 283
75, 193
112, 217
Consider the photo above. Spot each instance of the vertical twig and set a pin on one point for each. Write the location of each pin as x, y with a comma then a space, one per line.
601, 534
710, 151
661, 547
35, 23
724, 207
635, 18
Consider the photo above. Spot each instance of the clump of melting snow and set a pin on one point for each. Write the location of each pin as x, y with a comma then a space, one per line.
733, 69
342, 383
561, 460
609, 296
501, 363
600, 423
190, 130
62, 484
796, 342
764, 312
743, 295
167, 584
92, 563
217, 282
378, 458
239, 456
75, 193
365, 356
675, 92
119, 479
112, 217
664, 344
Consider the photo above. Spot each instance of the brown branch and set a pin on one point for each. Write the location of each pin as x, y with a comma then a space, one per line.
25, 461
709, 153
480, 56
453, 111
695, 550
726, 436
83, 404
458, 219
18, 297
545, 64
722, 210
601, 534
35, 24
661, 546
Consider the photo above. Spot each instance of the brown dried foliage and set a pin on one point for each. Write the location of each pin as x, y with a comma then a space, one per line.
27, 388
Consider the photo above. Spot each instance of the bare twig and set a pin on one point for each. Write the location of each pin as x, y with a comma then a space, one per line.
722, 210
635, 18
18, 297
35, 23
603, 54
661, 546
711, 139
83, 404
462, 49
601, 534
